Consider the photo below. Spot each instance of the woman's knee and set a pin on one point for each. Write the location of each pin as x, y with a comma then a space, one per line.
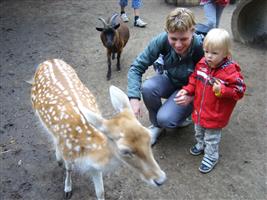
172, 117
166, 120
148, 87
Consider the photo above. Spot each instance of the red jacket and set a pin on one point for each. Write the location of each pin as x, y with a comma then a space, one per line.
220, 2
211, 111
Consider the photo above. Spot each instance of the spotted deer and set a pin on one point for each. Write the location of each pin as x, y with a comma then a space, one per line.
81, 136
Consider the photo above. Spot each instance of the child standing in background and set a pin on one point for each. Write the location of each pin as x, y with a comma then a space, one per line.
216, 84
136, 5
213, 11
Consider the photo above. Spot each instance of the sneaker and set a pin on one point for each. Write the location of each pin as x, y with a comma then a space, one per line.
207, 165
185, 123
195, 152
124, 17
154, 133
140, 23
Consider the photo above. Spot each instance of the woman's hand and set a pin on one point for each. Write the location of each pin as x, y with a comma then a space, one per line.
136, 106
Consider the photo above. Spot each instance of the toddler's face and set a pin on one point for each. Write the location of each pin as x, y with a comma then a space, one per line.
214, 57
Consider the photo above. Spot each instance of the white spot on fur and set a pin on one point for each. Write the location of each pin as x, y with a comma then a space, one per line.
68, 144
77, 148
79, 129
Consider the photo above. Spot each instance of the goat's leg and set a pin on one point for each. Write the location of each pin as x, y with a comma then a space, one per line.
98, 183
118, 61
68, 182
113, 55
109, 65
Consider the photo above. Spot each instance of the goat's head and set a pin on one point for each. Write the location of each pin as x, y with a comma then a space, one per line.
109, 30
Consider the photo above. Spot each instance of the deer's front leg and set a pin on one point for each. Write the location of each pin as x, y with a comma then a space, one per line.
98, 183
68, 182
58, 156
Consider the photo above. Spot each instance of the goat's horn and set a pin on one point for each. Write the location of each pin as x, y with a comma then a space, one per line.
112, 18
104, 21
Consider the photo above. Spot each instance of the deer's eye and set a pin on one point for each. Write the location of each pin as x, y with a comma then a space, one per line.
126, 153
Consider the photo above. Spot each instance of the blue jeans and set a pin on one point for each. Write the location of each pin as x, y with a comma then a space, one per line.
136, 4
167, 114
208, 139
213, 14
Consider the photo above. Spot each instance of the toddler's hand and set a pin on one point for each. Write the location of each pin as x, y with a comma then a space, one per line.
217, 87
181, 93
182, 98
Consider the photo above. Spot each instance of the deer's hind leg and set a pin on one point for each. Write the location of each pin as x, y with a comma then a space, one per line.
68, 182
57, 152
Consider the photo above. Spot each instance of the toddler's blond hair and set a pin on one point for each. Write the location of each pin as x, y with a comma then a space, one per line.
218, 39
181, 20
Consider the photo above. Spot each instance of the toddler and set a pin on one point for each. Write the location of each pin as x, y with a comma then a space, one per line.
216, 84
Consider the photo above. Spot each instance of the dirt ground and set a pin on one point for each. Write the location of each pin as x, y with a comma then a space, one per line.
34, 31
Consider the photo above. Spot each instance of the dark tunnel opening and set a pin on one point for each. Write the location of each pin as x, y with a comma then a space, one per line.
249, 22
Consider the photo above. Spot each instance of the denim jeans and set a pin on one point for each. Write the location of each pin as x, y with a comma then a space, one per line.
167, 114
213, 14
208, 139
136, 4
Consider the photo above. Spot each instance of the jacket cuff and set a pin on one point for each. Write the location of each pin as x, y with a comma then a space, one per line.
134, 98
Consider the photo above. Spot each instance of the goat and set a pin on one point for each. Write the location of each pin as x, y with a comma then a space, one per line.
81, 136
114, 36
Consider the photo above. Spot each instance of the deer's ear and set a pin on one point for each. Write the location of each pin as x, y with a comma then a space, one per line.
119, 99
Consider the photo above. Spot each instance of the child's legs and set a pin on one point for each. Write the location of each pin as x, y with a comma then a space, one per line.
123, 3
210, 13
212, 139
219, 10
199, 135
136, 4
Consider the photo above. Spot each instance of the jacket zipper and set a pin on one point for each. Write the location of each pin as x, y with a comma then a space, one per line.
202, 99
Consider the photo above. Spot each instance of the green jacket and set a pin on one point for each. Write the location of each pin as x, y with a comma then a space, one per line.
177, 69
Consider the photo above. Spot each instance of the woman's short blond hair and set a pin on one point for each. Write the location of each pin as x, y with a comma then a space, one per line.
181, 20
218, 39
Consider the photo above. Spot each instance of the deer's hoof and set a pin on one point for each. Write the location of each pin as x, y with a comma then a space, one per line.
67, 195
60, 163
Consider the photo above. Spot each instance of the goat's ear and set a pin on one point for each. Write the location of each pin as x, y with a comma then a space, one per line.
99, 29
116, 26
